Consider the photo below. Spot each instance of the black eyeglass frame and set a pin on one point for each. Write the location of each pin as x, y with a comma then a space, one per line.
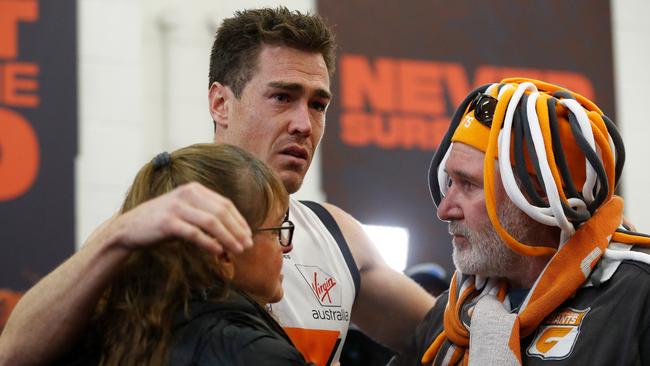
483, 106
286, 225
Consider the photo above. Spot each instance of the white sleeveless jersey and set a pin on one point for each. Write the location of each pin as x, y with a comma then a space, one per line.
319, 287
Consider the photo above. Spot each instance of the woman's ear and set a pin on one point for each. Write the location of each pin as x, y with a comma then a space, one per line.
227, 265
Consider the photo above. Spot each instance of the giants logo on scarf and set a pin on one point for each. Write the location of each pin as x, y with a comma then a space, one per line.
557, 336
322, 284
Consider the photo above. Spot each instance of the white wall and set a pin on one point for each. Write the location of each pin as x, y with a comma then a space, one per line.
143, 89
631, 44
113, 139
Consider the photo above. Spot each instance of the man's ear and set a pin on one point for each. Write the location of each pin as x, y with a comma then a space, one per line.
219, 98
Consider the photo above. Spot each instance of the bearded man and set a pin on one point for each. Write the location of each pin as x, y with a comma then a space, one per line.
545, 270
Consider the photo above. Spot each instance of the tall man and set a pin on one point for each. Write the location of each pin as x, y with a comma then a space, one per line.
269, 90
545, 273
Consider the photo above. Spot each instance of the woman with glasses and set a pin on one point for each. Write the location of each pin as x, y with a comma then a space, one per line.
175, 303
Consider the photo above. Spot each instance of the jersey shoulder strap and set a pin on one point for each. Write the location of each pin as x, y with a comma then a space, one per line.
331, 225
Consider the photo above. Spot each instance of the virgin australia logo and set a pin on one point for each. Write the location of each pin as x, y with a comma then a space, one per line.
322, 285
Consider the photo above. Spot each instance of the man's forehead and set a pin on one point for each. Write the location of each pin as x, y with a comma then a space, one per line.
469, 153
285, 61
465, 160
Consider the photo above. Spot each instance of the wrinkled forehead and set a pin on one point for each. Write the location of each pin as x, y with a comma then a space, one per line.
464, 159
282, 63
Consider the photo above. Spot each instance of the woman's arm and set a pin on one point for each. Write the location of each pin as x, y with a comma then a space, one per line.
52, 315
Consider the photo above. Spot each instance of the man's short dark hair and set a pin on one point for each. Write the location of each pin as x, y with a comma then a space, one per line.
239, 39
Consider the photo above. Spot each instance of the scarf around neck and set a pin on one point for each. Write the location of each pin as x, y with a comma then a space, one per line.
472, 298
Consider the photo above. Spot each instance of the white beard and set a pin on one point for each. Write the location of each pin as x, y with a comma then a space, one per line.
485, 254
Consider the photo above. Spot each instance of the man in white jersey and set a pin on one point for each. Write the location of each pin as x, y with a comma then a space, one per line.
269, 91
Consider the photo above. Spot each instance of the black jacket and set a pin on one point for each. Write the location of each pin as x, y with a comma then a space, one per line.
234, 332
614, 331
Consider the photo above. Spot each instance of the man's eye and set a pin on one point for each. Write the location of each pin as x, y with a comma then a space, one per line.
461, 183
282, 97
467, 185
319, 106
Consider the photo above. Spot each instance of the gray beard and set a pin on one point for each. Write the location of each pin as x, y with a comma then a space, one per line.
485, 254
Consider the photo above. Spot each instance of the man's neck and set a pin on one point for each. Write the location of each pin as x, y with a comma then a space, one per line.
528, 272
528, 269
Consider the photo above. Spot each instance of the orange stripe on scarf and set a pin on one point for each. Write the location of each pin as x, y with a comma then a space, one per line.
563, 276
457, 332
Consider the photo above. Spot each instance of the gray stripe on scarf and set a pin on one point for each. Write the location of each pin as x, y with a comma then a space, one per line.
490, 333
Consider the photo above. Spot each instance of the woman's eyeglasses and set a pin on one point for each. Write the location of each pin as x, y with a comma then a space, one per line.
285, 232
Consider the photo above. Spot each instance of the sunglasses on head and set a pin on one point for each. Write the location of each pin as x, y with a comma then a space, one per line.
483, 106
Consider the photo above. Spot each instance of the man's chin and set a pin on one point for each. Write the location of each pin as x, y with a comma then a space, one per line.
292, 181
466, 263
476, 269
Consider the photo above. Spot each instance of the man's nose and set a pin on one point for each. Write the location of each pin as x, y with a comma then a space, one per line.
449, 210
301, 123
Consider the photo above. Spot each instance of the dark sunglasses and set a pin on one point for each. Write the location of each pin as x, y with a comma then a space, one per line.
285, 231
483, 106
